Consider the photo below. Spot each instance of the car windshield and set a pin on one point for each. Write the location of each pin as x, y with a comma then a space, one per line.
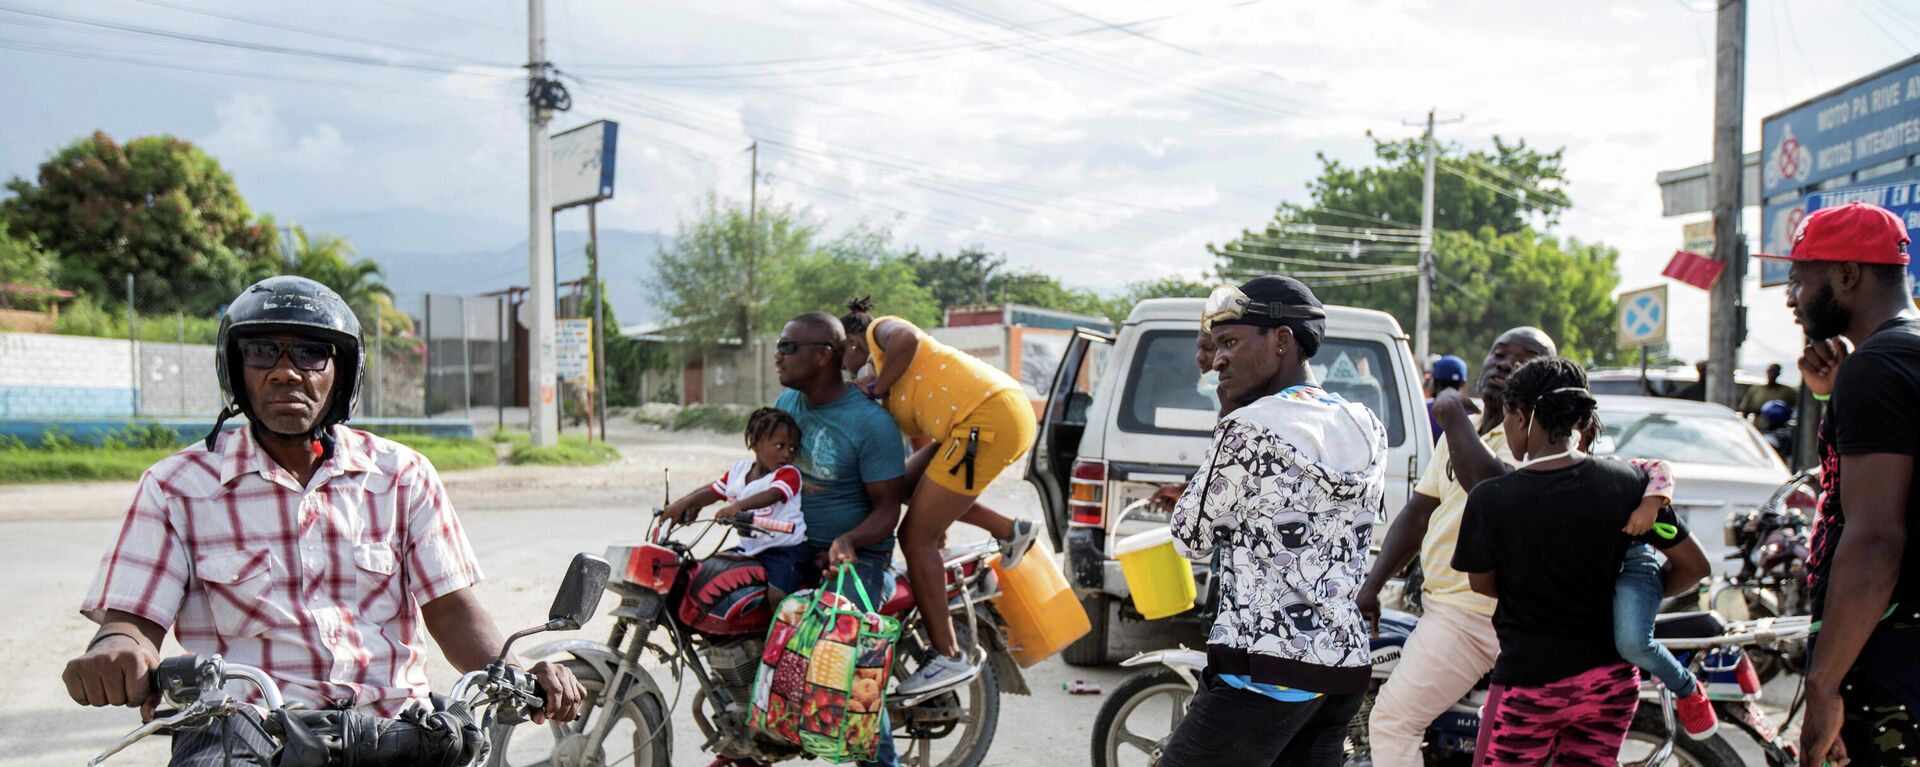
1719, 439
1165, 393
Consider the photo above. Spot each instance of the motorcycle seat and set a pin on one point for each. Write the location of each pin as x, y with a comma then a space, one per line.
1691, 625
900, 601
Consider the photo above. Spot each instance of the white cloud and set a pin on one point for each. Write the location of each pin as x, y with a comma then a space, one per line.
1627, 14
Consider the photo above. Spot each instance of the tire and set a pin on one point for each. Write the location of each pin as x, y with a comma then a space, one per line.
1649, 731
1091, 650
1112, 746
569, 742
981, 706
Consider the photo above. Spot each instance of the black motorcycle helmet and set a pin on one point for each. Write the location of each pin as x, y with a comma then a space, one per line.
288, 304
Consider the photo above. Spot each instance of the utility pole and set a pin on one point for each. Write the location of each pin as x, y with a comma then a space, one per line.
753, 257
1728, 314
1423, 301
542, 411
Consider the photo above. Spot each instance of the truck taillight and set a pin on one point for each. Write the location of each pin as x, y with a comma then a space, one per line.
1088, 499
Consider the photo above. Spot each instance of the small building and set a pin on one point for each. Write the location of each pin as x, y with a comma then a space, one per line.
1025, 341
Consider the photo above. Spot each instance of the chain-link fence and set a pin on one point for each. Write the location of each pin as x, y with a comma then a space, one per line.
148, 354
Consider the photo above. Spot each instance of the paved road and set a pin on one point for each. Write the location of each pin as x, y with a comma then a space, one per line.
525, 524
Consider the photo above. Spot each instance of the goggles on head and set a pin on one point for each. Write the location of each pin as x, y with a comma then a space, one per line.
1228, 303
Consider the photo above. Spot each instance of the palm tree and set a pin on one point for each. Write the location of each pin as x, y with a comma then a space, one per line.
329, 260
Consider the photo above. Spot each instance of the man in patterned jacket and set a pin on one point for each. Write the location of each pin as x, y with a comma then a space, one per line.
1287, 494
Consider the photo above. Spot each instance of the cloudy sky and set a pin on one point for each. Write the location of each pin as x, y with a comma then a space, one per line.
1100, 142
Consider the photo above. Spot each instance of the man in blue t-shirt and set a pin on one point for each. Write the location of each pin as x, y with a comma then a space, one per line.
850, 456
852, 460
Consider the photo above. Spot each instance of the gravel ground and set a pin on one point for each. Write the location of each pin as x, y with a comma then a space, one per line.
525, 524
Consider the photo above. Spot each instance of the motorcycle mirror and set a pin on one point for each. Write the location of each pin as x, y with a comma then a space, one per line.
579, 592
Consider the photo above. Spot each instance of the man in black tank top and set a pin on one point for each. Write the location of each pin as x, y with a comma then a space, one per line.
1849, 278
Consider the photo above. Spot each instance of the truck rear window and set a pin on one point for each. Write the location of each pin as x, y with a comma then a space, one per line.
1165, 393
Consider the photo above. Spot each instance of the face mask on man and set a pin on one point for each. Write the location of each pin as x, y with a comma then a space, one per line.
1209, 381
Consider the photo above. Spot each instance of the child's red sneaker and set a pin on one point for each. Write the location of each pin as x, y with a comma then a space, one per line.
1695, 713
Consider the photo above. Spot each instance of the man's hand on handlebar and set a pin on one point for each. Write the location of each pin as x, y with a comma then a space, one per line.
564, 695
115, 672
728, 511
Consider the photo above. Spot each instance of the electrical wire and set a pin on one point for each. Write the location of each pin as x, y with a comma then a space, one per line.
316, 33
308, 53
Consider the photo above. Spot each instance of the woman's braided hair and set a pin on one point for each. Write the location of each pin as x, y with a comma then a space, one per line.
768, 421
859, 315
1554, 389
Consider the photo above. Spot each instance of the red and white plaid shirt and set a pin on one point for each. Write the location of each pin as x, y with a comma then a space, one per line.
321, 587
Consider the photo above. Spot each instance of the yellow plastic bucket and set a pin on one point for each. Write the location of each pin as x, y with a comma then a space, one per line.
1042, 615
1161, 580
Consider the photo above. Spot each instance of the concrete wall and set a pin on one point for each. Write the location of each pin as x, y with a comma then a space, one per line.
727, 376
48, 376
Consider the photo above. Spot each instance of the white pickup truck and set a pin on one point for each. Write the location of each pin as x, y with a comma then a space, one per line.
1128, 413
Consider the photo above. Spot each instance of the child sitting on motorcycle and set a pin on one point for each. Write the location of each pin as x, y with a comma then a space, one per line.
766, 485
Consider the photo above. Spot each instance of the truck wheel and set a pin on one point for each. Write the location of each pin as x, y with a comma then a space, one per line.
1091, 650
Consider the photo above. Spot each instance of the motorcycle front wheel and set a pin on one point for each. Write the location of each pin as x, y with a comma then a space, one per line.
638, 734
1134, 724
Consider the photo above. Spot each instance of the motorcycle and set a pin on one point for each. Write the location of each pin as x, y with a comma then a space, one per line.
1713, 648
454, 733
702, 613
1771, 543
1175, 676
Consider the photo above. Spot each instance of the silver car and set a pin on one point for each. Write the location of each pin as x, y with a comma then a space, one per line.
1720, 462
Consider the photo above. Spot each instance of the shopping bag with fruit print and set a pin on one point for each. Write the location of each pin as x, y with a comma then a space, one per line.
823, 677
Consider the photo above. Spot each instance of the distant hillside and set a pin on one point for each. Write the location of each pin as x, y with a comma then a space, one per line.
626, 265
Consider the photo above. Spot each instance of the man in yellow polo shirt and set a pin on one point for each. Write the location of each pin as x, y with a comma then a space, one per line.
1454, 645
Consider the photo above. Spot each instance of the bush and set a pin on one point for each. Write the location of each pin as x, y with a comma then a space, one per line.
726, 419
668, 394
572, 451
143, 436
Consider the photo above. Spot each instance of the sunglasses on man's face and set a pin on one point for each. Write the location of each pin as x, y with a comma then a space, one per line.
265, 353
789, 346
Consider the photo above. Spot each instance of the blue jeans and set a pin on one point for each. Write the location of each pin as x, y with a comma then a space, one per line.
792, 568
1636, 598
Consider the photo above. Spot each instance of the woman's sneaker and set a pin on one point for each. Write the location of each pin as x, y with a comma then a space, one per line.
1695, 713
1012, 549
940, 672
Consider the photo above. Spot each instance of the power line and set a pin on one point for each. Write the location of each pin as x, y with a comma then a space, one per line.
89, 54
340, 58
315, 33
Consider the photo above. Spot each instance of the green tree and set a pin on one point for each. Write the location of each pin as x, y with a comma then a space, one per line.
157, 208
701, 277
967, 277
1494, 269
330, 260
24, 263
1118, 307
860, 262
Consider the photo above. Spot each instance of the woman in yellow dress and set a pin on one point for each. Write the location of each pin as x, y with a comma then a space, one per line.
980, 422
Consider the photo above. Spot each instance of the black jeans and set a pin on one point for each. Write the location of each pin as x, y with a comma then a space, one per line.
209, 748
1230, 727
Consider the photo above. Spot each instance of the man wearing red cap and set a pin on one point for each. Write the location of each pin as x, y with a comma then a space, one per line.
1849, 278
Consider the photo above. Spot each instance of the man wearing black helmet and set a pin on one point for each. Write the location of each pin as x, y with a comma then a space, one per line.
295, 544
